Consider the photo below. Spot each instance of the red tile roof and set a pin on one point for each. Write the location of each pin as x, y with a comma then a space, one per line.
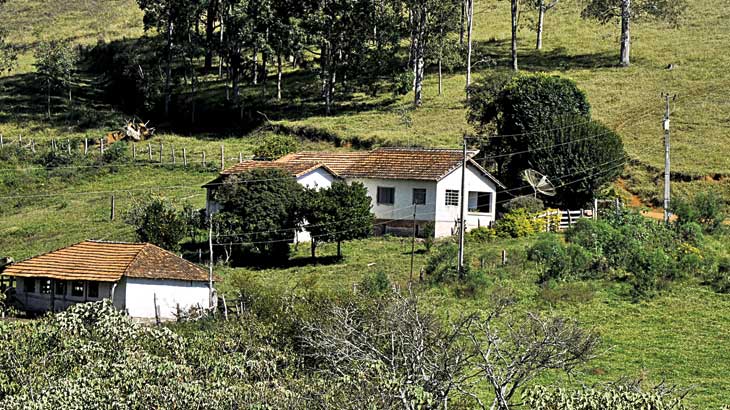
108, 262
390, 163
296, 169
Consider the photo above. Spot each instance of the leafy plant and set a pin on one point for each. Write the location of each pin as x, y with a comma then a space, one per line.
157, 220
275, 146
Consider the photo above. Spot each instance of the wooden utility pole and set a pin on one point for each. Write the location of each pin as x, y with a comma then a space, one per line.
210, 263
413, 244
462, 197
667, 175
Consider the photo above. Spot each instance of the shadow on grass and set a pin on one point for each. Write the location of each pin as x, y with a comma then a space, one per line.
558, 59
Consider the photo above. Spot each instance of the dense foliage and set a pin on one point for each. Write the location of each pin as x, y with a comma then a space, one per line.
159, 221
543, 122
275, 146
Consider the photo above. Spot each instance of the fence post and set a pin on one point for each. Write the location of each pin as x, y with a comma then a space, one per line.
68, 146
172, 152
240, 157
113, 206
149, 151
203, 161
20, 139
504, 256
2, 143
618, 206
32, 145
86, 146
595, 209
161, 148
134, 151
185, 156
101, 145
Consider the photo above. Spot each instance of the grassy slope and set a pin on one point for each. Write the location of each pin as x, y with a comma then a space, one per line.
678, 336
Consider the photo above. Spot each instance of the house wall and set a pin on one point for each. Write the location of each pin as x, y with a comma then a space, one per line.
39, 302
140, 295
447, 217
402, 208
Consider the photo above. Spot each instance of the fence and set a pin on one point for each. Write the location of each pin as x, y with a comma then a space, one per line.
568, 218
157, 153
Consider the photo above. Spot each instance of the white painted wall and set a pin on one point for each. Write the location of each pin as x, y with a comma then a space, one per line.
140, 295
448, 216
402, 207
319, 178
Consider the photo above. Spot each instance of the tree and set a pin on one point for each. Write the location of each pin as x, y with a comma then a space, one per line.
517, 106
542, 7
286, 35
443, 50
157, 220
515, 349
579, 157
515, 21
262, 207
275, 146
605, 11
339, 213
8, 54
55, 62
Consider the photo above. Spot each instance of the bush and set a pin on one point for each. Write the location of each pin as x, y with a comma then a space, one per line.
552, 255
482, 234
442, 265
719, 278
526, 202
157, 220
376, 283
649, 271
705, 208
274, 146
517, 224
429, 235
691, 232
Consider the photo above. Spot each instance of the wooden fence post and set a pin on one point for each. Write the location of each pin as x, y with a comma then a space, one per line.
134, 151
161, 148
32, 145
203, 161
149, 151
185, 156
157, 311
2, 143
240, 157
113, 206
101, 146
172, 153
86, 146
68, 146
595, 209
504, 256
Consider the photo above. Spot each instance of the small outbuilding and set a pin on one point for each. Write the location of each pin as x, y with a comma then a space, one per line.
142, 279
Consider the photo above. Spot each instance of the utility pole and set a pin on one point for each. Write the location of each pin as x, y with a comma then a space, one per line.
667, 176
462, 227
413, 244
210, 262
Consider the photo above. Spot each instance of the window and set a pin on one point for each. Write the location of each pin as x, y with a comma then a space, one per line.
480, 202
452, 197
45, 286
93, 289
419, 196
29, 285
386, 196
60, 288
77, 288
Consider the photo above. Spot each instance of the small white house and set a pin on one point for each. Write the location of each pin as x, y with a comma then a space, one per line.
310, 174
137, 277
429, 180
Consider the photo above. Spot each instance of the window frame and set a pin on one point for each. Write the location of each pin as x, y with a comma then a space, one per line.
92, 285
477, 210
449, 195
46, 287
379, 198
62, 285
423, 191
26, 281
73, 288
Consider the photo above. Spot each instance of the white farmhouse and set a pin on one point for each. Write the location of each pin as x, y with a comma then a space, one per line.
398, 180
137, 277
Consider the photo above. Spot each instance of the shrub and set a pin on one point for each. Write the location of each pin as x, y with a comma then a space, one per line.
482, 234
442, 265
517, 224
115, 153
614, 397
705, 208
719, 278
691, 232
552, 255
526, 202
275, 146
157, 220
649, 270
376, 283
429, 235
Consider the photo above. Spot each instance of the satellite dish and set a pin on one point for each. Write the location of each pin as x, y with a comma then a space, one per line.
539, 182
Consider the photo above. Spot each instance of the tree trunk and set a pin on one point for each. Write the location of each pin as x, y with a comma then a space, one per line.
193, 84
441, 82
470, 26
168, 69
418, 58
209, 33
625, 33
278, 76
540, 23
255, 64
515, 20
48, 83
461, 22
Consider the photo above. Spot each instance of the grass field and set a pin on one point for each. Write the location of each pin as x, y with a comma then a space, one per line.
678, 336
